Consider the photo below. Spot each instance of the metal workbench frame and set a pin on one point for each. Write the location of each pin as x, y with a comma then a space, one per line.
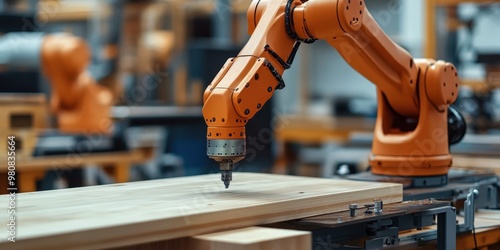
370, 230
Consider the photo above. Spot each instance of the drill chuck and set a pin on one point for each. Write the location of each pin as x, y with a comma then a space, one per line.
226, 148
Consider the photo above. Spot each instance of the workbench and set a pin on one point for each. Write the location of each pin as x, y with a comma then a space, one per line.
185, 132
31, 169
169, 211
313, 131
477, 152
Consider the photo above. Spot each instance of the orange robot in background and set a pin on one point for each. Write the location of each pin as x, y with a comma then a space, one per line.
81, 105
411, 133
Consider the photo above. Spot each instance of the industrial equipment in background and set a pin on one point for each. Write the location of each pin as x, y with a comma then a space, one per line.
478, 52
79, 104
471, 35
77, 73
50, 65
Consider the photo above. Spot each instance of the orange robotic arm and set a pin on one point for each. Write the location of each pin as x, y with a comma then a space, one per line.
410, 136
80, 104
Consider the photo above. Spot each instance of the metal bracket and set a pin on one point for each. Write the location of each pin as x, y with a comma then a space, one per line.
387, 236
446, 226
376, 231
469, 209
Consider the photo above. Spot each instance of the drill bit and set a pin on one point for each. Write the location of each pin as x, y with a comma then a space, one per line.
226, 176
226, 167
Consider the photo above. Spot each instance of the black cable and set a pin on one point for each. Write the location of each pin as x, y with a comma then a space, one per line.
289, 24
474, 234
474, 231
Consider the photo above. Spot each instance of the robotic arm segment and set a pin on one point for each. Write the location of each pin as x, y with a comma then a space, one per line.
63, 58
413, 95
442, 85
349, 27
245, 83
421, 150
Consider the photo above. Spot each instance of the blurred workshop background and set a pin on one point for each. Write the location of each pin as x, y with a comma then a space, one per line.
157, 57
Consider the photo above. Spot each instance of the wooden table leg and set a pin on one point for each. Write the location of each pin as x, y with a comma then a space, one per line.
122, 172
3, 183
287, 158
28, 179
279, 166
119, 171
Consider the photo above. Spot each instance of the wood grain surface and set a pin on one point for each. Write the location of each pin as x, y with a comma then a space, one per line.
133, 213
253, 238
477, 163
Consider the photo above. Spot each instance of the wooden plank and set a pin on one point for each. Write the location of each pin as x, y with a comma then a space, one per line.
253, 238
77, 160
18, 98
481, 163
37, 113
134, 213
317, 130
63, 11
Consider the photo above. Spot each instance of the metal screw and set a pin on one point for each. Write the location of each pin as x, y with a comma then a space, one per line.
352, 209
368, 206
378, 206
